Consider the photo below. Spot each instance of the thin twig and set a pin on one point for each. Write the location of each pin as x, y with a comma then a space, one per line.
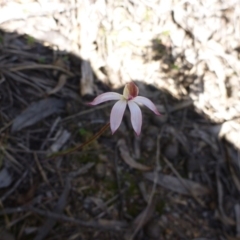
14, 187
40, 168
62, 202
150, 199
94, 137
182, 182
86, 111
105, 225
40, 66
119, 184
6, 126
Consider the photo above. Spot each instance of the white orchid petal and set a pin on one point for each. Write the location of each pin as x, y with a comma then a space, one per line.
148, 103
136, 116
106, 97
117, 114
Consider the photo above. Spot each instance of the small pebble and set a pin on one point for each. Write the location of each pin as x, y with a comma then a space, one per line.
171, 149
148, 144
153, 131
100, 170
152, 229
159, 120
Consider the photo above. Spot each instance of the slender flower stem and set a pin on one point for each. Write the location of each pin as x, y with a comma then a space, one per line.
94, 137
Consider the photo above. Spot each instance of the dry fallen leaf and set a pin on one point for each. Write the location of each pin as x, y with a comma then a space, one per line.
174, 184
61, 82
37, 112
63, 136
141, 220
5, 178
128, 159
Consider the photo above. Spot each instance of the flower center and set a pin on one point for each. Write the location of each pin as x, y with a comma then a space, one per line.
130, 91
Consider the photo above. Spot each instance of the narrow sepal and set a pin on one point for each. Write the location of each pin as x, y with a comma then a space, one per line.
117, 114
136, 116
105, 97
148, 103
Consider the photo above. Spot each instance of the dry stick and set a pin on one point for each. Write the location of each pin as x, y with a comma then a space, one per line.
150, 199
86, 111
200, 202
12, 223
62, 202
6, 126
17, 166
43, 174
223, 217
53, 127
6, 218
237, 213
100, 215
109, 226
220, 194
118, 184
49, 224
40, 168
14, 187
98, 134
38, 66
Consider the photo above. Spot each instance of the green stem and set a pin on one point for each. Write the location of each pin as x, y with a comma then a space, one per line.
94, 137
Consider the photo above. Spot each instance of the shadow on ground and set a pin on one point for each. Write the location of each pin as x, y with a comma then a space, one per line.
190, 192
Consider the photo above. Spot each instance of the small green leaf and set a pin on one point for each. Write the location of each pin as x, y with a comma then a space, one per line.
176, 67
83, 132
41, 59
166, 33
65, 58
30, 40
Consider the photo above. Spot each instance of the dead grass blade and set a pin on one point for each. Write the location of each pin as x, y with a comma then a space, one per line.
40, 168
234, 167
147, 213
8, 193
189, 185
50, 222
124, 152
103, 224
237, 214
62, 137
141, 220
61, 82
222, 215
40, 66
17, 166
6, 126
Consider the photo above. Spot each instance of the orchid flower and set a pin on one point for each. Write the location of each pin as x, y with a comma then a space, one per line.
130, 97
